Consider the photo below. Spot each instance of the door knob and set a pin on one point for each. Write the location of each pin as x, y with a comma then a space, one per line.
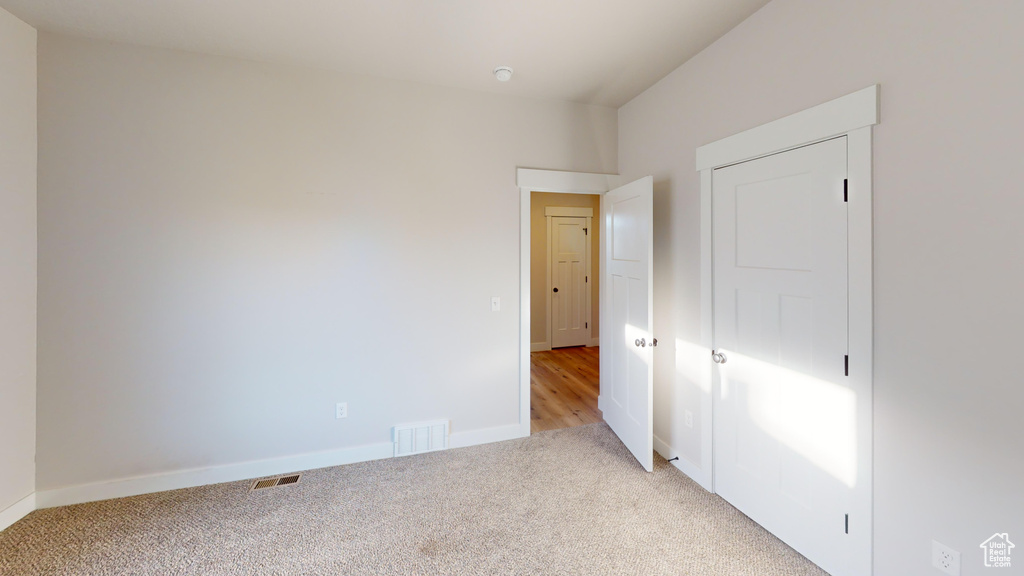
640, 343
718, 357
654, 342
555, 289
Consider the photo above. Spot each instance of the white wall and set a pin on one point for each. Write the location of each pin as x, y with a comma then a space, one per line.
17, 260
539, 316
948, 206
228, 248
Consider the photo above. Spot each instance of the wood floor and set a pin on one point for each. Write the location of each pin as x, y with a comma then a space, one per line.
564, 386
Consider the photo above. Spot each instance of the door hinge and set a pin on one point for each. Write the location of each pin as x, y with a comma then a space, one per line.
586, 279
846, 189
847, 523
586, 324
585, 233
846, 362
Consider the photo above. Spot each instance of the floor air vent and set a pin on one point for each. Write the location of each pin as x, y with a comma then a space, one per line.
421, 437
272, 482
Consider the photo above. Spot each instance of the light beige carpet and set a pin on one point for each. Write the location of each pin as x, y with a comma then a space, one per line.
571, 501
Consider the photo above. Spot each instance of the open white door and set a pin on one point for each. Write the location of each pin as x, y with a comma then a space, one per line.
627, 339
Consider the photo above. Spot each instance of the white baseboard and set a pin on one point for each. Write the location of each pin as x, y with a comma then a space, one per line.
213, 475
663, 449
544, 346
485, 436
17, 511
246, 470
698, 475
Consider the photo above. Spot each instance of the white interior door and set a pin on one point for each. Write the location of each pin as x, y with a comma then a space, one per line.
569, 282
785, 414
627, 341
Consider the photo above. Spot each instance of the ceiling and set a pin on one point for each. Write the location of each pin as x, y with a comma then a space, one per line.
591, 51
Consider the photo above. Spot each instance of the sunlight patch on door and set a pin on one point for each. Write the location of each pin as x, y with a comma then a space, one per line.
815, 418
637, 341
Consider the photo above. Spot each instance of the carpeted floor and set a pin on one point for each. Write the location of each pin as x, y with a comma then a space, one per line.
571, 501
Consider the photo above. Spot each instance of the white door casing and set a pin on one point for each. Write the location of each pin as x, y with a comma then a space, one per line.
851, 116
785, 427
569, 269
530, 180
627, 340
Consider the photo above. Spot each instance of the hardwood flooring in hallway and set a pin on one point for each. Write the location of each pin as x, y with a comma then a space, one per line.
564, 386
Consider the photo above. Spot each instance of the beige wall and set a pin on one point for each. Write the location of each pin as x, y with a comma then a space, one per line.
539, 260
17, 259
229, 248
948, 206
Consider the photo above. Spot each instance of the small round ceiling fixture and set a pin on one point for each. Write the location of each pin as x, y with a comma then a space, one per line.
503, 73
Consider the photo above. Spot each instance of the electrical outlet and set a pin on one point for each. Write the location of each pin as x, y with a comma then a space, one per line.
945, 559
495, 304
341, 410
689, 418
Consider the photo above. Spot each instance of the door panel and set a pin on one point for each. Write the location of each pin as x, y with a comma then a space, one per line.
785, 416
626, 357
772, 220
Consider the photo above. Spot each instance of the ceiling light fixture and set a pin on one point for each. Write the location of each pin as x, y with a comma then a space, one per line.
503, 73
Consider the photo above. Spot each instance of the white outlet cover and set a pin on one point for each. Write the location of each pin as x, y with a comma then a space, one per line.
688, 415
945, 559
341, 410
495, 303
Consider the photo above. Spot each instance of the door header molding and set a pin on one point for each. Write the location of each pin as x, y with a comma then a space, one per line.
824, 121
565, 182
568, 212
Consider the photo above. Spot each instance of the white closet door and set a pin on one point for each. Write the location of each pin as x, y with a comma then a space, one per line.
785, 415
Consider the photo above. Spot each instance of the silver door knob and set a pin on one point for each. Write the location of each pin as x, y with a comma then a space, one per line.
640, 343
718, 357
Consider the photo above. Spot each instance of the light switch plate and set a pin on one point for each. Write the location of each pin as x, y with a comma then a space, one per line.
495, 303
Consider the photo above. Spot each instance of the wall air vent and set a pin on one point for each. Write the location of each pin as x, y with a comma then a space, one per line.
421, 437
272, 482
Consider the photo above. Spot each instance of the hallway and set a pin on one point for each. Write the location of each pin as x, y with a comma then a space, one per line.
564, 386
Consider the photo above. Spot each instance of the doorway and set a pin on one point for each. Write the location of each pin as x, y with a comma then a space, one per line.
564, 310
626, 300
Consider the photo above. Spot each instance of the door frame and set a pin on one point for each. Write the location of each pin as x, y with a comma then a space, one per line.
569, 212
530, 180
852, 115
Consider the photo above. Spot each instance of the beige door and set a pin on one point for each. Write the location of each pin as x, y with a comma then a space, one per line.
570, 284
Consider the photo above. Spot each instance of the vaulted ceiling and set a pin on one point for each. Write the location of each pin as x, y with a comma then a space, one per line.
591, 51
